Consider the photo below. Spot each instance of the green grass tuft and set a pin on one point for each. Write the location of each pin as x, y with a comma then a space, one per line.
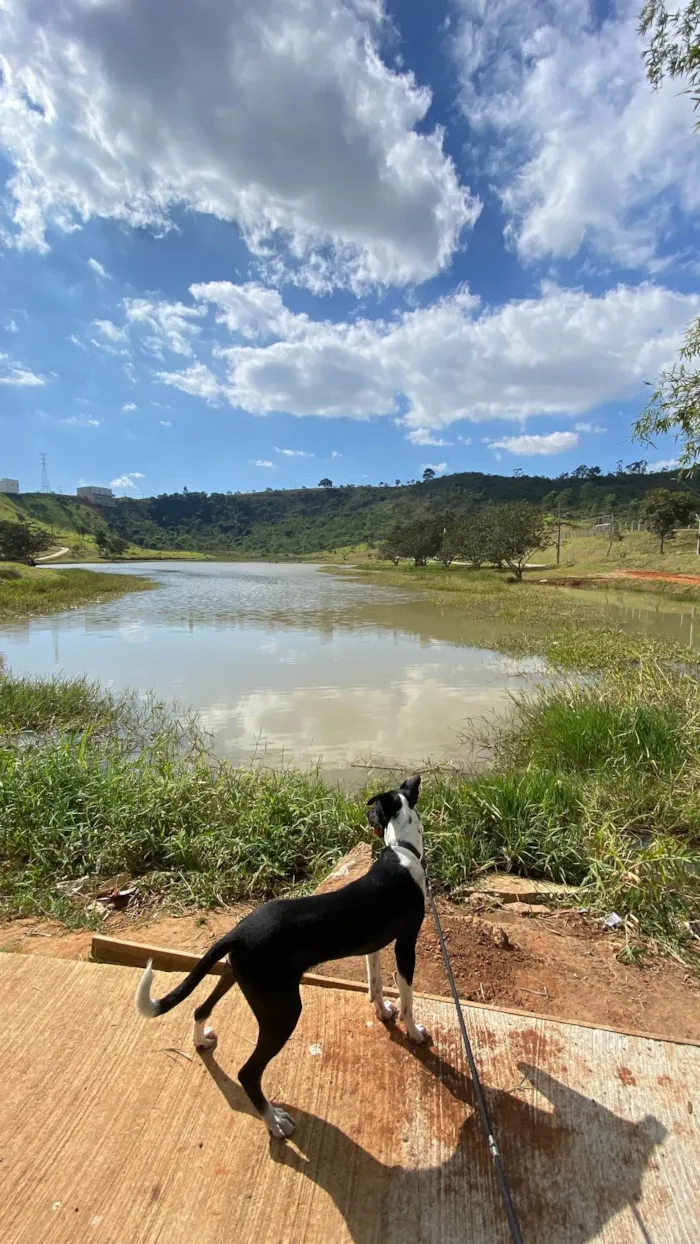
598, 786
30, 592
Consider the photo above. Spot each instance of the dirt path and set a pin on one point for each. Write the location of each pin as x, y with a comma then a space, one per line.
49, 557
562, 965
656, 575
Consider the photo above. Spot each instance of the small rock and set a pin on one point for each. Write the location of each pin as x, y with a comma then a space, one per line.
113, 885
530, 909
500, 938
352, 866
75, 886
510, 888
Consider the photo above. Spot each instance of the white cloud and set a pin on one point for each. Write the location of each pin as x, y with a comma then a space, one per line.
423, 436
530, 446
278, 115
98, 268
128, 406
590, 428
127, 480
12, 326
585, 151
565, 352
77, 342
165, 423
198, 381
664, 464
13, 374
293, 453
464, 440
167, 325
335, 454
263, 462
79, 421
110, 331
437, 467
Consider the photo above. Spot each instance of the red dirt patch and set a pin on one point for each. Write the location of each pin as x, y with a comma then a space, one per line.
653, 574
625, 1077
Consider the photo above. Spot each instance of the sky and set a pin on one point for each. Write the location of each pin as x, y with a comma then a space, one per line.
256, 243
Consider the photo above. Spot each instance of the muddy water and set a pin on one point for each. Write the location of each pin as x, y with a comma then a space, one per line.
296, 665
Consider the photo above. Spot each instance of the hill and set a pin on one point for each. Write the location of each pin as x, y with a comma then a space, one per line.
300, 522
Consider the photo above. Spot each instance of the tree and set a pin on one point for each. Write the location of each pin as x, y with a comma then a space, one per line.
420, 540
614, 537
451, 543
110, 543
390, 549
325, 483
664, 510
473, 537
673, 51
637, 468
428, 474
20, 542
517, 531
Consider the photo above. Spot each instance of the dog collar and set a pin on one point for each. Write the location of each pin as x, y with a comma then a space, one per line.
408, 846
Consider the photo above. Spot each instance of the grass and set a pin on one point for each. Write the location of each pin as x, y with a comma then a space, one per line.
26, 592
594, 785
591, 556
526, 619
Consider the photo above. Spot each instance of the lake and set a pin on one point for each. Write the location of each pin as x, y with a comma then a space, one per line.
293, 664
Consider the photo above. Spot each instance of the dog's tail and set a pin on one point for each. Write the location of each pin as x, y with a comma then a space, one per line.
150, 1007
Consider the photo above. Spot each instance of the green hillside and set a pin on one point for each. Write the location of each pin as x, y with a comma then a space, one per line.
306, 521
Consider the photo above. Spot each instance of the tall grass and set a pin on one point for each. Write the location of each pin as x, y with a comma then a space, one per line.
598, 786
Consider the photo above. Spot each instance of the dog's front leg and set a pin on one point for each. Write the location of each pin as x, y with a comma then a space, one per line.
385, 1010
406, 965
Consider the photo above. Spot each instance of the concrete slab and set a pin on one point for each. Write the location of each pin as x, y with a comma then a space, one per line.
113, 1130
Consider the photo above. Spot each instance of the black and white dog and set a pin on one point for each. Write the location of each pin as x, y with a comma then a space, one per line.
269, 951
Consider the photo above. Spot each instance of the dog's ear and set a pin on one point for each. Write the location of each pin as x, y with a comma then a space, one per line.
380, 809
411, 789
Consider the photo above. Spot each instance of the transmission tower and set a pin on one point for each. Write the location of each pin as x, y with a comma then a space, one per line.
45, 485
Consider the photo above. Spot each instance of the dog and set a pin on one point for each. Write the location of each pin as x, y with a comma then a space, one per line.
269, 951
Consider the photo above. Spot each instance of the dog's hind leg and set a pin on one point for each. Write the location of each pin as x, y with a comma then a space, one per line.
277, 1015
205, 1038
406, 965
385, 1010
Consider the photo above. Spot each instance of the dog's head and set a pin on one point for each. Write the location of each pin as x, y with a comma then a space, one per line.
392, 817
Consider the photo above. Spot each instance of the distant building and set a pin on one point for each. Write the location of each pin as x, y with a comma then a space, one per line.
98, 496
9, 485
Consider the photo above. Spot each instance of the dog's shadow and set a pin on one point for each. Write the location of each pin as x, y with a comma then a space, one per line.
571, 1170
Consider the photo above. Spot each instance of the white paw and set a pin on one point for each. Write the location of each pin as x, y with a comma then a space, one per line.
279, 1123
385, 1010
204, 1038
418, 1034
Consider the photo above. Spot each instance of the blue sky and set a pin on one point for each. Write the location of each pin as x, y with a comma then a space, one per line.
246, 245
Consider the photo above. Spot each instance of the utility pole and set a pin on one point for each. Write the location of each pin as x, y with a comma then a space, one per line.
559, 530
45, 486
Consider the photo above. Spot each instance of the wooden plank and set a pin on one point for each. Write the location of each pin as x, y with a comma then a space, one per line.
111, 1129
135, 954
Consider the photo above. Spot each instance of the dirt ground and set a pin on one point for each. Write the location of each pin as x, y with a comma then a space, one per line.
561, 965
654, 574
